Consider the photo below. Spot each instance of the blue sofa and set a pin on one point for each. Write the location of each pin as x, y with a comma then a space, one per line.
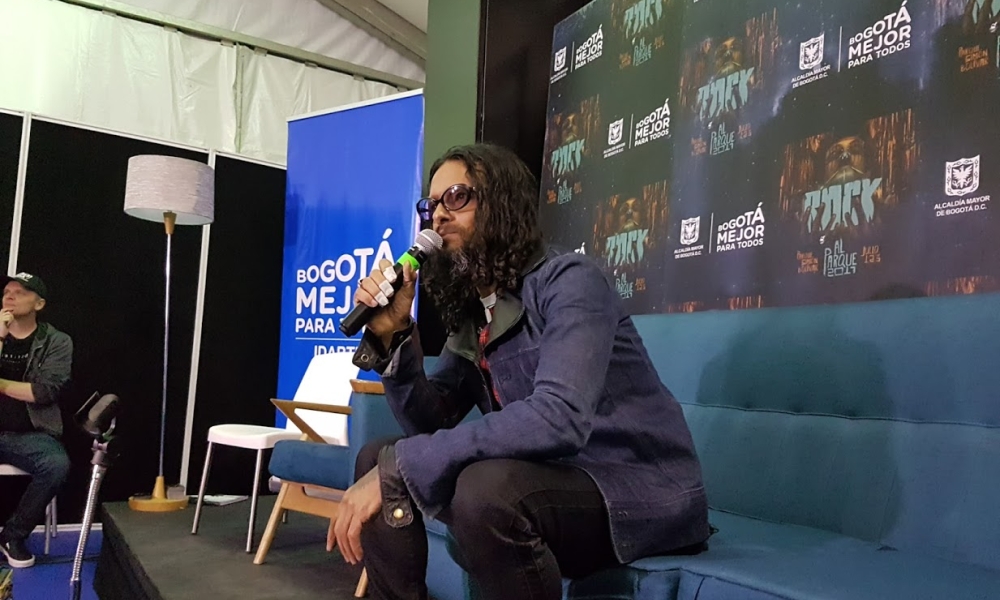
849, 452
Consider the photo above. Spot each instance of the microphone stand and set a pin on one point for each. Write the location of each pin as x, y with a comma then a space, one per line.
98, 420
100, 462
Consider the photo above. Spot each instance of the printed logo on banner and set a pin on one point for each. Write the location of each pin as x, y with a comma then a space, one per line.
838, 262
570, 135
811, 53
615, 131
744, 231
690, 230
722, 79
845, 187
559, 67
848, 197
962, 176
859, 175
628, 230
889, 35
590, 50
961, 179
811, 63
324, 293
690, 236
616, 138
653, 126
639, 24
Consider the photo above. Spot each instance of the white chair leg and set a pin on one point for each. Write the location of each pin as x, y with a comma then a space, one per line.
201, 488
48, 527
55, 517
284, 517
253, 501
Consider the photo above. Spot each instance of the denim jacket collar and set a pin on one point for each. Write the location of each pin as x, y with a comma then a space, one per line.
506, 313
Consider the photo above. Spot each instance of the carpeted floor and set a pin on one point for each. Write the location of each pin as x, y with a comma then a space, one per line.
175, 565
49, 578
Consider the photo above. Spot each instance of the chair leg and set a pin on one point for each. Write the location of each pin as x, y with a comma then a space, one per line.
253, 501
284, 517
201, 488
362, 589
48, 527
55, 517
272, 526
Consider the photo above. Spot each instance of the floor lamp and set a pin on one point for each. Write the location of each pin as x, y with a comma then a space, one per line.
176, 191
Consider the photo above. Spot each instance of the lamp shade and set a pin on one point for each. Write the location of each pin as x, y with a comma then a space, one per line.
161, 184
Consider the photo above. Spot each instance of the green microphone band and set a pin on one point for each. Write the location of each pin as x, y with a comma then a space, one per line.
406, 259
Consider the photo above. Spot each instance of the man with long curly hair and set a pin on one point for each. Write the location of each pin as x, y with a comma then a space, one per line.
582, 459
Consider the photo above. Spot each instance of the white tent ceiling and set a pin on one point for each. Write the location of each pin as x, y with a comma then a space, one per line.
414, 11
304, 24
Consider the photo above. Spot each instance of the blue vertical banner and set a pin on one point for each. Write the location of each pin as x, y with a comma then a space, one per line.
354, 177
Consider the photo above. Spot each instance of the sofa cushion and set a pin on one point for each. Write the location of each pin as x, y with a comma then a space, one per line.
880, 575
877, 420
310, 462
758, 560
739, 539
920, 487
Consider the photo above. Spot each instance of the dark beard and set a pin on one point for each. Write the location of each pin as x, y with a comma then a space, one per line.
447, 277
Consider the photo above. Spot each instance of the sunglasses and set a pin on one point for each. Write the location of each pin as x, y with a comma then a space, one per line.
454, 198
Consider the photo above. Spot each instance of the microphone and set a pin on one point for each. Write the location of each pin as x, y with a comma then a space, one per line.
428, 242
97, 416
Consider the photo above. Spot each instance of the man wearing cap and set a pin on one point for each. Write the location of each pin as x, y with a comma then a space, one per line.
35, 365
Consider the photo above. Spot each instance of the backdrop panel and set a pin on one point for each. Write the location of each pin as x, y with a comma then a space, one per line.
354, 177
238, 368
726, 155
105, 273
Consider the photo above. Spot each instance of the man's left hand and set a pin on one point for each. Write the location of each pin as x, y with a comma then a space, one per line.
361, 502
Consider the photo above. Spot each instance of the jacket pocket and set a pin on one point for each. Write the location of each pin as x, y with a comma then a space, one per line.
514, 375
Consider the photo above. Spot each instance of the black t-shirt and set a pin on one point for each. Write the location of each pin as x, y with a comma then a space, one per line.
13, 364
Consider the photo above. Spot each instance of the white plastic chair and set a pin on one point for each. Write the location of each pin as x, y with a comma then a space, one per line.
327, 381
50, 510
251, 437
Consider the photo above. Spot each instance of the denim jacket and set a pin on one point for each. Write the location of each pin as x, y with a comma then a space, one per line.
576, 385
49, 366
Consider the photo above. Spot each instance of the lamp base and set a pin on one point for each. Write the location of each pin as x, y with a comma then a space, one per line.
158, 502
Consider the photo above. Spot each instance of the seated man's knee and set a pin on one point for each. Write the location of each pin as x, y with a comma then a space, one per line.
485, 493
54, 467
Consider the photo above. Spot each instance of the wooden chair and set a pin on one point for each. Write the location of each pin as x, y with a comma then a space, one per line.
306, 497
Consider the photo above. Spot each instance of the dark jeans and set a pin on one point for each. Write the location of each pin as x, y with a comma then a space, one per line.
520, 527
44, 458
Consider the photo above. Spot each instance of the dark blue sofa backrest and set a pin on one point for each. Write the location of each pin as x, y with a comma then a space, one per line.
878, 420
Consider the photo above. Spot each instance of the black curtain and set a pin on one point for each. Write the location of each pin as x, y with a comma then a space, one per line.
105, 272
515, 62
238, 369
10, 148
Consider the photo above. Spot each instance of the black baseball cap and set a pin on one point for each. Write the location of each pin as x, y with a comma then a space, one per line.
29, 281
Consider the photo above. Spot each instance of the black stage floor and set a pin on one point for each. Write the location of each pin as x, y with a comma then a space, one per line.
154, 556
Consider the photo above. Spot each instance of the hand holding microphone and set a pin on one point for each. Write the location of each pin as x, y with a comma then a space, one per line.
384, 299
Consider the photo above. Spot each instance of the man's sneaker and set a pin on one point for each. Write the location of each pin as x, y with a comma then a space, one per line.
17, 553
